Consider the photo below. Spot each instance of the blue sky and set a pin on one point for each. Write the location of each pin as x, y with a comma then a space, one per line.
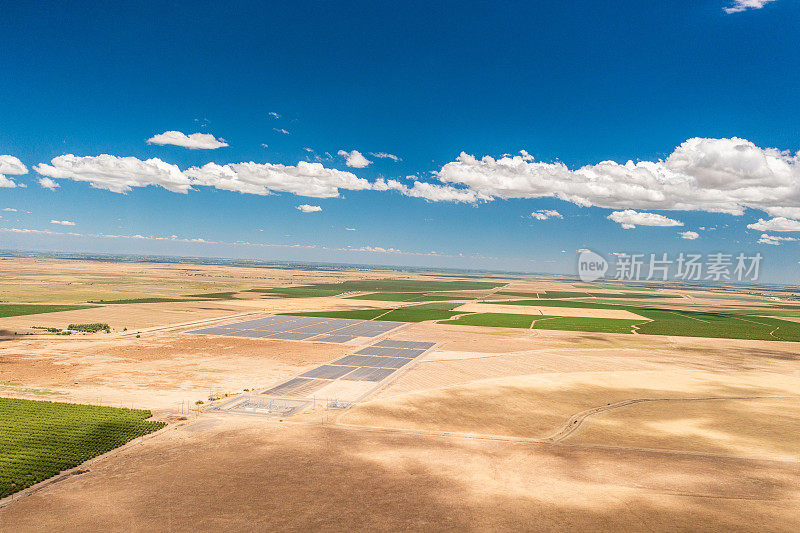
572, 84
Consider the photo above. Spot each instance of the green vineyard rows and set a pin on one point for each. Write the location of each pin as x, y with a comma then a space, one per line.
39, 439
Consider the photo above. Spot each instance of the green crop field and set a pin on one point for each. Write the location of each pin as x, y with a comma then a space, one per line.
598, 325
716, 325
559, 303
765, 312
39, 439
299, 292
405, 285
214, 295
360, 314
410, 297
735, 324
509, 320
419, 313
33, 309
495, 320
412, 313
574, 294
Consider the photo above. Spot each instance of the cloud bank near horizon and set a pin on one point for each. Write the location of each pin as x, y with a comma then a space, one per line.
726, 175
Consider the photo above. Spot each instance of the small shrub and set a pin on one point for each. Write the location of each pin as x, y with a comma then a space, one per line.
89, 328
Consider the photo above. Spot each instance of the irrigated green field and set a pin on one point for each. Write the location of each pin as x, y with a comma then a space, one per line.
40, 439
597, 325
716, 325
33, 309
411, 297
360, 314
559, 303
419, 313
574, 294
412, 313
734, 324
495, 320
298, 292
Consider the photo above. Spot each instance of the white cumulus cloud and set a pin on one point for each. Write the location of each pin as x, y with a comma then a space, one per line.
47, 183
354, 158
544, 214
305, 208
742, 5
12, 166
194, 141
304, 179
713, 175
629, 219
63, 222
689, 235
776, 224
116, 174
430, 191
774, 240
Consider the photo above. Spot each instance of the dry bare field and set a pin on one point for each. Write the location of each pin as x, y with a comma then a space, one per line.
223, 474
153, 372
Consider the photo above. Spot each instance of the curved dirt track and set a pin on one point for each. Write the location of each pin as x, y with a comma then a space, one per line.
577, 419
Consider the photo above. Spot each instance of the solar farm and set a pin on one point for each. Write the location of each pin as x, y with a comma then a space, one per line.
339, 383
299, 328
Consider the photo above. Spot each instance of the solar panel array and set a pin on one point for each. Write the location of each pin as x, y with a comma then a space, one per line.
300, 328
373, 363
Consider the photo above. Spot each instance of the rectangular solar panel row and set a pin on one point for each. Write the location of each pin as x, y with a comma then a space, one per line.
328, 372
372, 361
335, 338
389, 352
369, 374
413, 345
303, 328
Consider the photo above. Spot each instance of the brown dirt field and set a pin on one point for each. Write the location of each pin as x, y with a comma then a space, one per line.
755, 427
257, 476
147, 315
151, 372
535, 406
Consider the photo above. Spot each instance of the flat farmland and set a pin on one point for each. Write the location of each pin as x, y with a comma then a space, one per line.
528, 309
154, 372
499, 426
